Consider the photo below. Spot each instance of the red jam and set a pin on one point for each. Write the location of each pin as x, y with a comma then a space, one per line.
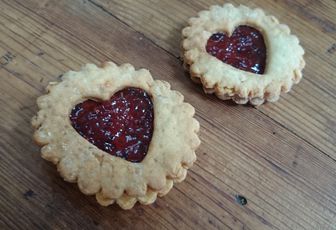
121, 126
245, 49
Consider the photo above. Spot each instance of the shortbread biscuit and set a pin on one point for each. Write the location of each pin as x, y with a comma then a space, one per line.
112, 178
284, 55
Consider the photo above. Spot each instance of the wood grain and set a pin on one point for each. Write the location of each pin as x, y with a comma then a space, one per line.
281, 156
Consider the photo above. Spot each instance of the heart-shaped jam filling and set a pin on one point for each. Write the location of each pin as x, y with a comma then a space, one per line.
245, 49
121, 126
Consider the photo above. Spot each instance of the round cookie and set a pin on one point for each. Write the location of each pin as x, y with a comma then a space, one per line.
113, 176
223, 49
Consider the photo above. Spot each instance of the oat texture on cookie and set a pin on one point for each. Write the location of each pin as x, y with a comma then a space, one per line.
241, 54
111, 176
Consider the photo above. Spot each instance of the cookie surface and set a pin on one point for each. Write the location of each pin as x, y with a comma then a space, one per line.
223, 70
111, 178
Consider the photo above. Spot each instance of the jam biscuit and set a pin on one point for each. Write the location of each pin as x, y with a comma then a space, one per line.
241, 54
116, 132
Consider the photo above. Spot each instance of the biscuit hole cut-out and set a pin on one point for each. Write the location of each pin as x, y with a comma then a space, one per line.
245, 49
121, 126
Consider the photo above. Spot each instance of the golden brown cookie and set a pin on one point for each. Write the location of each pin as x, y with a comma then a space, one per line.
241, 54
116, 132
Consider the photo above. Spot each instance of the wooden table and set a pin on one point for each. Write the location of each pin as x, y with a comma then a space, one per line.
281, 157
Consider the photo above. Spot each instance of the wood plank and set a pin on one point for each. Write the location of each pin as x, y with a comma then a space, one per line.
288, 183
314, 22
